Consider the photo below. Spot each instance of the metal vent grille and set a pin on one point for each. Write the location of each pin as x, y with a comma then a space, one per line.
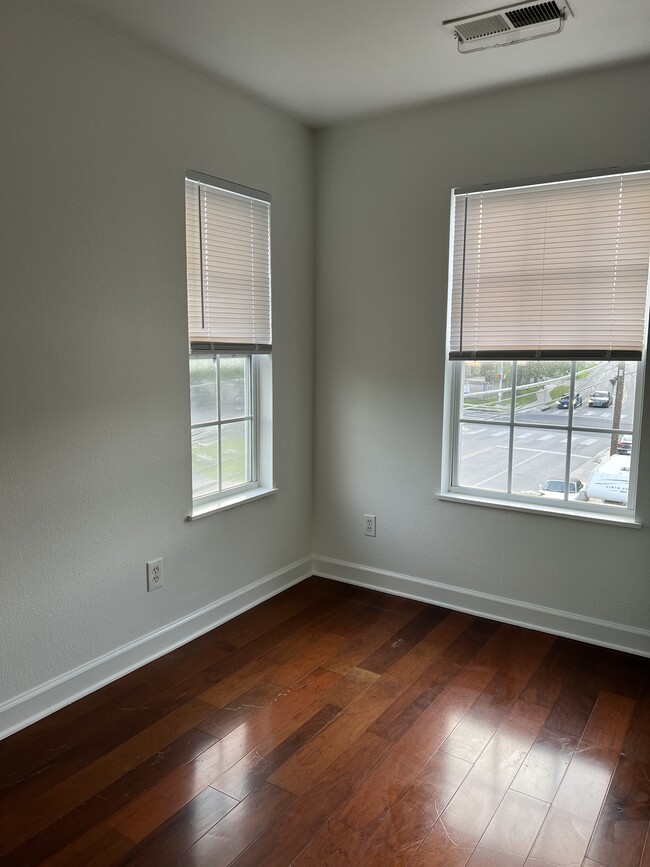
535, 14
483, 27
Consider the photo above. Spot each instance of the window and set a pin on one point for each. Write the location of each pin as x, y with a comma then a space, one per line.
229, 325
546, 343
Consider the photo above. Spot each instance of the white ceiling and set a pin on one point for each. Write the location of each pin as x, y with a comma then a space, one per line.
324, 61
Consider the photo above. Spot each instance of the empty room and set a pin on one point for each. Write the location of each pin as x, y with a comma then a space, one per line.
324, 452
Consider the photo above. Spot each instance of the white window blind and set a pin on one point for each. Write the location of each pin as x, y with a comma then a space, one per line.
228, 266
555, 270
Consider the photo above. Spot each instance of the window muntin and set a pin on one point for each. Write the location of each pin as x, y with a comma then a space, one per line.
224, 423
512, 450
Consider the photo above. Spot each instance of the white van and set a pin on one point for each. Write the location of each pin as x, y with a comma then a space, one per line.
611, 480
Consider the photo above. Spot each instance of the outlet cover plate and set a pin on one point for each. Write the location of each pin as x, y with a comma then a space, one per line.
154, 574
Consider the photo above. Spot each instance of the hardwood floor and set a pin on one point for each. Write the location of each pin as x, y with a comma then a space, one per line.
333, 725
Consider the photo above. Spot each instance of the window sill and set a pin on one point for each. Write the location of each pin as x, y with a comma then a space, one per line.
230, 502
533, 508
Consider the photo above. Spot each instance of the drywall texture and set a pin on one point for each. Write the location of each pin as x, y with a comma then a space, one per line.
97, 134
383, 191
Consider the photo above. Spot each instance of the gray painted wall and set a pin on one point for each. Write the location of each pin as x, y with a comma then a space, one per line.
383, 226
94, 440
94, 446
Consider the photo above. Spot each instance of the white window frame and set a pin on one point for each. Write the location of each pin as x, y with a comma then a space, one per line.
450, 489
262, 485
261, 403
453, 400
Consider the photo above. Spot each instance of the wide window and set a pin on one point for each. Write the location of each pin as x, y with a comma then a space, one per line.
229, 324
547, 340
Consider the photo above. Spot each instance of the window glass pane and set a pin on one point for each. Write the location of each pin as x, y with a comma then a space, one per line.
609, 395
538, 464
203, 389
541, 385
484, 457
608, 470
486, 389
205, 461
234, 386
235, 454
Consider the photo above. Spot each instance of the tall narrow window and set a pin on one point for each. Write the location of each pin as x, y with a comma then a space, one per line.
547, 340
229, 325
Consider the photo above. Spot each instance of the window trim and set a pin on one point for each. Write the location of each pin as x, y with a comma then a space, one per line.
261, 442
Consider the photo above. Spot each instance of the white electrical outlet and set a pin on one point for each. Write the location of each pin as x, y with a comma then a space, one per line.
154, 574
370, 525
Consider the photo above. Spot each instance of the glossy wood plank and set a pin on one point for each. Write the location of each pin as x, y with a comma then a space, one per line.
226, 719
286, 837
645, 859
244, 824
349, 830
156, 805
622, 826
545, 765
244, 777
101, 847
548, 681
407, 637
453, 659
457, 832
395, 733
411, 818
175, 836
278, 661
515, 824
55, 803
567, 829
297, 774
363, 640
484, 857
96, 809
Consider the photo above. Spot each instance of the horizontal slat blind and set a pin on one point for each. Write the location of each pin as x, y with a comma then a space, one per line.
228, 268
557, 270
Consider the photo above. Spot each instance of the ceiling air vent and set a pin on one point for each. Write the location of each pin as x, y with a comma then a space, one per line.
508, 25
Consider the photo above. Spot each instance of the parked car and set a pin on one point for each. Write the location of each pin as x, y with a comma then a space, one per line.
611, 480
563, 402
554, 488
624, 446
600, 398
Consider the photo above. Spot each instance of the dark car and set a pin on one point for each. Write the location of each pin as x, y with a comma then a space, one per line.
600, 398
563, 402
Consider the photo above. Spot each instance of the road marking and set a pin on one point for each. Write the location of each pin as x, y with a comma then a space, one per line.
496, 475
500, 433
547, 437
470, 430
546, 452
589, 412
588, 442
523, 436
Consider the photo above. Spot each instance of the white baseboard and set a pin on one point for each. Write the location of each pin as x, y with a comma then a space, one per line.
589, 629
24, 709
